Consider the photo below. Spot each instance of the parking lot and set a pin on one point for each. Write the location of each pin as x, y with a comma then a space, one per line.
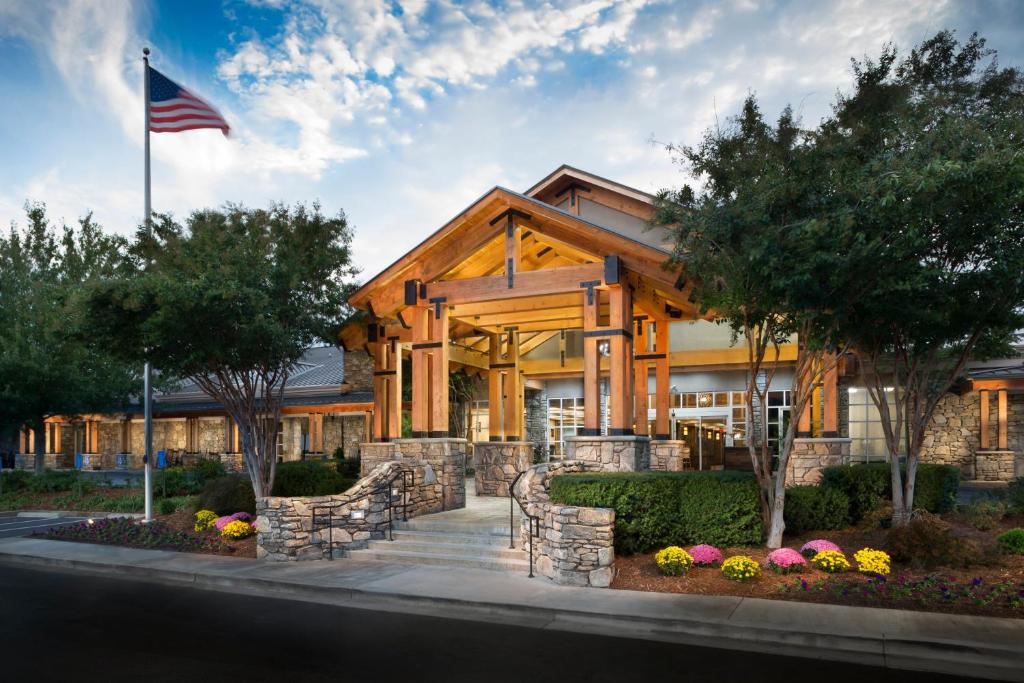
12, 525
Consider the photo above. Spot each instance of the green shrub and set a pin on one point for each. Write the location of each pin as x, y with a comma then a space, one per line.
1015, 495
135, 502
15, 480
186, 481
51, 481
349, 468
867, 486
1012, 541
228, 495
984, 514
657, 509
166, 506
813, 508
309, 478
928, 542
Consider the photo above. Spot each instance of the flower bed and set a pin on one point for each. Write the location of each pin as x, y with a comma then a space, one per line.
129, 532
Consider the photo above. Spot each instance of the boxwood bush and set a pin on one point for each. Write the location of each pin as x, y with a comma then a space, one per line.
310, 478
228, 495
868, 485
814, 508
657, 509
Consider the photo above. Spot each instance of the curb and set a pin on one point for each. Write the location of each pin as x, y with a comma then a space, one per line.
98, 514
972, 659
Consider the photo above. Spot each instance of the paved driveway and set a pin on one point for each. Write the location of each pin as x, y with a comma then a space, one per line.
12, 526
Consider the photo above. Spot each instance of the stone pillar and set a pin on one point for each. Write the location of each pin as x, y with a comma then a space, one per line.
809, 456
610, 453
376, 453
447, 457
994, 465
498, 463
670, 456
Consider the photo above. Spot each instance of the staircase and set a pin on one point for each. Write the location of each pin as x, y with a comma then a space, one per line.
475, 537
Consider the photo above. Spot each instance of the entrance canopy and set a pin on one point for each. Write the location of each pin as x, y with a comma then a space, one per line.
509, 273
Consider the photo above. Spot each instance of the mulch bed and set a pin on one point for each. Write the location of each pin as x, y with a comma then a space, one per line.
639, 572
47, 500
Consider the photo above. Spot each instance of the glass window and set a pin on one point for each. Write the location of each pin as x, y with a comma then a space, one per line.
480, 421
777, 418
739, 398
721, 399
565, 417
868, 443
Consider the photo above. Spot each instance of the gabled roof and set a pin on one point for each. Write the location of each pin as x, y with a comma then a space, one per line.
570, 173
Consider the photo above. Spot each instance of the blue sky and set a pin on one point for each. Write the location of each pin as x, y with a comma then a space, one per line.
400, 113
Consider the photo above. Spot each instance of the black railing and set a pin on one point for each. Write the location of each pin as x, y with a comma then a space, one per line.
408, 480
534, 523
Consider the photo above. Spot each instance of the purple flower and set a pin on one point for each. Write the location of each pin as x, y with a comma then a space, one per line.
803, 584
977, 581
812, 548
706, 555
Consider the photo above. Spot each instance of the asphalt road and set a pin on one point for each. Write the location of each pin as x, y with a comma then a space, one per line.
62, 626
11, 527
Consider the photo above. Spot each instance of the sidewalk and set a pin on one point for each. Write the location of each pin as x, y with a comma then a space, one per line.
960, 645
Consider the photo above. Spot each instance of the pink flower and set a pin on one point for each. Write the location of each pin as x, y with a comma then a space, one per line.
706, 555
812, 548
786, 560
227, 519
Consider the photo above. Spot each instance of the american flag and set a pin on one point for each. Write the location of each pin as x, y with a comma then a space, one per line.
173, 109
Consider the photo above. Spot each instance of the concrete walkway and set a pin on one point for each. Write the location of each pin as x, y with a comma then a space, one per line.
962, 645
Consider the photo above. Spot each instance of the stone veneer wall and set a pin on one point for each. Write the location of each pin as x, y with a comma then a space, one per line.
954, 435
108, 437
167, 435
497, 463
447, 456
810, 456
996, 465
345, 432
285, 529
358, 370
611, 453
374, 454
669, 456
575, 544
537, 423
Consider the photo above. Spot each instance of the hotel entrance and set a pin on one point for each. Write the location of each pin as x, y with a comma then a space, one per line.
705, 435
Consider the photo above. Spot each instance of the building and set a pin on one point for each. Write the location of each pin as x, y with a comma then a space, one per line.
554, 301
328, 401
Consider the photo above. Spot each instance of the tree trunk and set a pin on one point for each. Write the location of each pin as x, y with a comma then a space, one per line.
40, 445
900, 509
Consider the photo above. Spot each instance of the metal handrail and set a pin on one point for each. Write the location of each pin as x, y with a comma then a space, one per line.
406, 475
534, 520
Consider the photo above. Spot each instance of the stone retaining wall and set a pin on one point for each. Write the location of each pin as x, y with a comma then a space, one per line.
669, 456
611, 453
448, 457
574, 546
810, 456
376, 453
995, 465
285, 525
497, 463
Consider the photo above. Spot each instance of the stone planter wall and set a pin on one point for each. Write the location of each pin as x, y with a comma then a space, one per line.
611, 453
575, 544
447, 456
376, 453
497, 463
810, 456
669, 456
285, 525
995, 465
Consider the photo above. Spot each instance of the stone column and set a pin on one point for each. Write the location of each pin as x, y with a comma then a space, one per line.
611, 453
810, 456
498, 463
447, 457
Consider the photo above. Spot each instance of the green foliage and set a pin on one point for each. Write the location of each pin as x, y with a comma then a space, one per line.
261, 285
51, 481
50, 363
868, 485
928, 542
166, 506
15, 480
310, 478
349, 468
656, 509
187, 481
1015, 495
813, 508
1012, 541
984, 514
227, 495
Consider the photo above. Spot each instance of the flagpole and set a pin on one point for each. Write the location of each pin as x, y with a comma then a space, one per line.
148, 374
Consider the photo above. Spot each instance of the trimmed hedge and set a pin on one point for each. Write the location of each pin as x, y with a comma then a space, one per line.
814, 508
310, 478
868, 485
228, 495
657, 509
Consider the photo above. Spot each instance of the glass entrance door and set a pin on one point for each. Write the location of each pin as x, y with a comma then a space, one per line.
705, 435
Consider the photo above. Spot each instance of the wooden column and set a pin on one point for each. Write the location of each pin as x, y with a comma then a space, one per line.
591, 365
316, 432
420, 373
438, 371
830, 398
1003, 441
393, 381
620, 362
662, 428
494, 390
803, 426
23, 438
58, 446
985, 441
511, 389
126, 434
380, 390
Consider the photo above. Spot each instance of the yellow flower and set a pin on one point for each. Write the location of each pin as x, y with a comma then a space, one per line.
831, 561
741, 568
870, 561
673, 560
205, 520
236, 530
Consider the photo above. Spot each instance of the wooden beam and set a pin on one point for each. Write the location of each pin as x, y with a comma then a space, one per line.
467, 356
393, 383
420, 376
494, 402
591, 365
535, 303
513, 249
1003, 440
985, 442
439, 372
380, 391
515, 317
662, 379
620, 397
532, 283
511, 387
536, 340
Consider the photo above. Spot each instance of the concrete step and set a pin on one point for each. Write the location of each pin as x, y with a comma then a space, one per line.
445, 538
448, 560
449, 549
449, 526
